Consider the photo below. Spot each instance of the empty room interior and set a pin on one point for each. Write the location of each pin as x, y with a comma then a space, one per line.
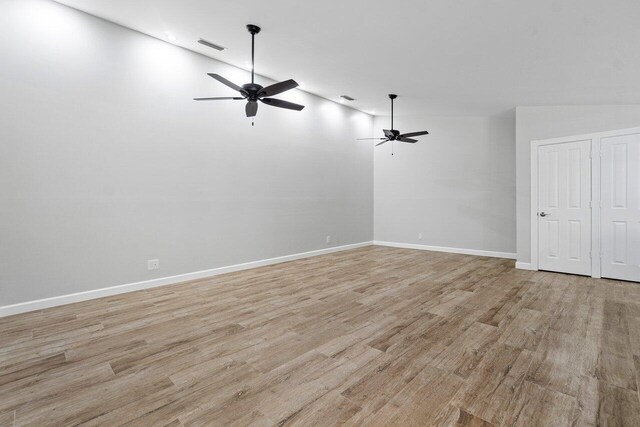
293, 213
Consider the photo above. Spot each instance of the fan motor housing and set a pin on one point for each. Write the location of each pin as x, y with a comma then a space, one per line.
252, 90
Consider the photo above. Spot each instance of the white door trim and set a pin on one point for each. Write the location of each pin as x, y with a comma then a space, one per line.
595, 191
595, 206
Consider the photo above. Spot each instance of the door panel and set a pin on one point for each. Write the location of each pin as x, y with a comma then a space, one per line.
620, 214
564, 195
575, 239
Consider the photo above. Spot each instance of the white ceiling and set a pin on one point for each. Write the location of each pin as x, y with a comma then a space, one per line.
443, 57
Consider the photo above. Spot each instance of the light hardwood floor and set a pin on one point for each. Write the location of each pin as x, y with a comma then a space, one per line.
372, 336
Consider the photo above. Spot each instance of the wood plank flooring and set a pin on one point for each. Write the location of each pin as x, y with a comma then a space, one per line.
369, 337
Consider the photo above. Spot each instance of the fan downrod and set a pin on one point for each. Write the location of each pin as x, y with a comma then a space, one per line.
392, 96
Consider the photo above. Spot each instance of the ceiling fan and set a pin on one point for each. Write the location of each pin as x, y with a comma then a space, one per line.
395, 135
253, 92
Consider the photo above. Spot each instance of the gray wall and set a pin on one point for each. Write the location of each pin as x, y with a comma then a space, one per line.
534, 123
456, 186
105, 161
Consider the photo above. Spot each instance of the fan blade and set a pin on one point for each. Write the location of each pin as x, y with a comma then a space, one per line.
364, 139
277, 88
410, 134
218, 98
412, 141
251, 109
387, 133
282, 104
380, 143
226, 82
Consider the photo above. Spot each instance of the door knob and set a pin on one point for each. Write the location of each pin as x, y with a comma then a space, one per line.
543, 214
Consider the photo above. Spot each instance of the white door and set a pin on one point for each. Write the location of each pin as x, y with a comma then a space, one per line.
564, 213
620, 201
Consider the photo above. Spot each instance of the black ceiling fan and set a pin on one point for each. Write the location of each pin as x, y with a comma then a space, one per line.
395, 135
253, 92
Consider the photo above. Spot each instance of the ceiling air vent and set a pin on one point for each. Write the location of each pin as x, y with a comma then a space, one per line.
211, 45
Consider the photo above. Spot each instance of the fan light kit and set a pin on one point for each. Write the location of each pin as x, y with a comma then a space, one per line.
253, 92
395, 135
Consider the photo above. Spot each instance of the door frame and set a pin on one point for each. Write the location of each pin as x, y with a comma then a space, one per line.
595, 204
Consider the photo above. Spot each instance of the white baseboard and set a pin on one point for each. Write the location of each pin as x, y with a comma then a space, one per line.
24, 307
524, 265
449, 250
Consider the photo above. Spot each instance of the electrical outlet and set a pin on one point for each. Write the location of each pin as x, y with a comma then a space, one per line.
419, 236
153, 264
328, 239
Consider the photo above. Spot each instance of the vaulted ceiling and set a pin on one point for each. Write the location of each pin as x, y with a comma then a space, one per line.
443, 57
